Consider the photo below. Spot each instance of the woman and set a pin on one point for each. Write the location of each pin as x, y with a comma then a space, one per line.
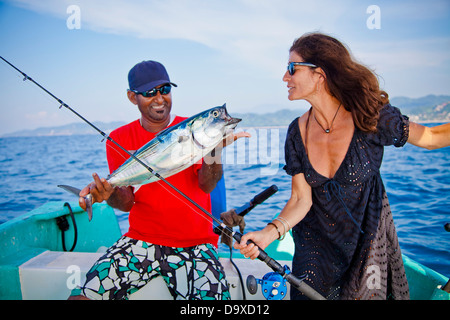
344, 235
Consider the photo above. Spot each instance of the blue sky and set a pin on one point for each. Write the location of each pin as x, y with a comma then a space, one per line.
231, 51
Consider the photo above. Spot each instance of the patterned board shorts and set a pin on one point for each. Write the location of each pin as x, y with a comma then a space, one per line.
190, 273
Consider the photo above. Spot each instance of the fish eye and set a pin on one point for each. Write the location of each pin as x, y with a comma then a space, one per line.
215, 113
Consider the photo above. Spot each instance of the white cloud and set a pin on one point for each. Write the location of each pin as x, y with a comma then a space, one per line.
249, 39
407, 53
36, 116
237, 28
255, 32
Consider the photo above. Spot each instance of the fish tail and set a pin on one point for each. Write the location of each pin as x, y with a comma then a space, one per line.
76, 191
88, 199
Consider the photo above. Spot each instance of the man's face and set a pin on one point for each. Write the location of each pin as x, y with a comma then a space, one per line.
154, 109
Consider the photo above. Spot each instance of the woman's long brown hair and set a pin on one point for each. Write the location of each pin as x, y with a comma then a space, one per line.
354, 85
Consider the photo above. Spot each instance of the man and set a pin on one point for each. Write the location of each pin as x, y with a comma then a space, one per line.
166, 235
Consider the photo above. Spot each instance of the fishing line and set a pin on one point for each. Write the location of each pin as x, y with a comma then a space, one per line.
189, 205
117, 151
263, 256
174, 194
107, 137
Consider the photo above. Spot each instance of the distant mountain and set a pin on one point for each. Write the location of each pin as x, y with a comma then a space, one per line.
418, 103
274, 119
430, 108
78, 128
424, 109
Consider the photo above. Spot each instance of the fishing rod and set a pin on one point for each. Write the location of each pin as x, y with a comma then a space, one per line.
246, 208
263, 256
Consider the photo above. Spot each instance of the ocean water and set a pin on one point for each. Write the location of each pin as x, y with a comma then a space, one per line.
417, 183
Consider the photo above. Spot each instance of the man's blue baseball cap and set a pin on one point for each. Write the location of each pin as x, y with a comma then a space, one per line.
147, 75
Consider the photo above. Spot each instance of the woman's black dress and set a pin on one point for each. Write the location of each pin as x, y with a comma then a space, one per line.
347, 244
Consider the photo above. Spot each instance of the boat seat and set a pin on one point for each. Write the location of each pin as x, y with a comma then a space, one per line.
51, 275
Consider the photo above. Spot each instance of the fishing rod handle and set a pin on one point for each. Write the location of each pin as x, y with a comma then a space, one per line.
258, 199
262, 196
263, 256
303, 287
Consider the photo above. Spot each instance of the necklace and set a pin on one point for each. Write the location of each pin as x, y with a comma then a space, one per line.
332, 121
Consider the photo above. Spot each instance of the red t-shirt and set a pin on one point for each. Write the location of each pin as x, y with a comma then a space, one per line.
160, 215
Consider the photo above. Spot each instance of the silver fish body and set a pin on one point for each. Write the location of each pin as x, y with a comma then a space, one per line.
173, 149
176, 148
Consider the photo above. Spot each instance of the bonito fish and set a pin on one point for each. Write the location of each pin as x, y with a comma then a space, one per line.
172, 150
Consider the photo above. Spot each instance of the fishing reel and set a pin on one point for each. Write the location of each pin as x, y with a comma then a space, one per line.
273, 285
